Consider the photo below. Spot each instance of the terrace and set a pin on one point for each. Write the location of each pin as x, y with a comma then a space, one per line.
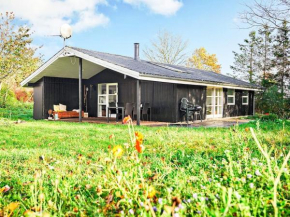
225, 122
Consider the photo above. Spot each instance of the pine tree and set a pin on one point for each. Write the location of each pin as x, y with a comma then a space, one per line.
266, 56
247, 65
281, 52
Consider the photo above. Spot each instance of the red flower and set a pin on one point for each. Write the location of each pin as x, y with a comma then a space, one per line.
140, 148
127, 119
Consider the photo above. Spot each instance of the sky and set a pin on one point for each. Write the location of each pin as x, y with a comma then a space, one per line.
113, 26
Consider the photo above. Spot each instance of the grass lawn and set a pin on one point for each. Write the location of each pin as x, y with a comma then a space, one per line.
72, 169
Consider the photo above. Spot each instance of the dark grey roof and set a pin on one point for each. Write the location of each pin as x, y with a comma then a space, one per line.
165, 70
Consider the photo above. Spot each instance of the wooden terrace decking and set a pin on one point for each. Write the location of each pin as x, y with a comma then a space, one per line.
222, 122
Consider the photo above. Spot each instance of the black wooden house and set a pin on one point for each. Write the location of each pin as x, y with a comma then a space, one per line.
103, 78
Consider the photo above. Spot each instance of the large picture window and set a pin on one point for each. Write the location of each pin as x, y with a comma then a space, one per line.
231, 97
245, 98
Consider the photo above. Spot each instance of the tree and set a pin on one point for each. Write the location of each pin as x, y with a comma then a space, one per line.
17, 57
168, 48
266, 52
247, 65
16, 53
201, 59
282, 56
264, 12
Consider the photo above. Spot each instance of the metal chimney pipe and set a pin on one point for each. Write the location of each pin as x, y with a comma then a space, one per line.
136, 51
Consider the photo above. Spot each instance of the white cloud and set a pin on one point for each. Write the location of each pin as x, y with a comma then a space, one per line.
163, 7
46, 16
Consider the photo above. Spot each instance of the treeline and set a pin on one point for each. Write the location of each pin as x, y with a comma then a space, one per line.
264, 57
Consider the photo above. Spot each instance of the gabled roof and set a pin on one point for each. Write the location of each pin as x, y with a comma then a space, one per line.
146, 70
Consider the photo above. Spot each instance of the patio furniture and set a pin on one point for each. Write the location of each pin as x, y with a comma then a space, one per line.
197, 111
186, 108
129, 107
112, 106
119, 110
146, 110
67, 114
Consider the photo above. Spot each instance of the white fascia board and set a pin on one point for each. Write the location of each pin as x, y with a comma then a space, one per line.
41, 68
180, 81
89, 58
105, 64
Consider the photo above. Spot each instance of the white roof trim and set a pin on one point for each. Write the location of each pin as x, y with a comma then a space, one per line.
180, 81
41, 68
89, 58
67, 50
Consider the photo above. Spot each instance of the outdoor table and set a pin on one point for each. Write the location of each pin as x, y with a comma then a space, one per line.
117, 112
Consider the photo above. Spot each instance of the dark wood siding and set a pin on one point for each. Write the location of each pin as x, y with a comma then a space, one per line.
195, 94
126, 88
38, 100
60, 90
238, 109
161, 97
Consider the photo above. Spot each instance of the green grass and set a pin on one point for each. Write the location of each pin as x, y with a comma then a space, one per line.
211, 171
21, 112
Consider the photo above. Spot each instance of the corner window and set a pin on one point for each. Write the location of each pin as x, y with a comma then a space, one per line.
245, 98
231, 97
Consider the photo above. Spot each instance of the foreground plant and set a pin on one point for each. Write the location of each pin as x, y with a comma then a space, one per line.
273, 176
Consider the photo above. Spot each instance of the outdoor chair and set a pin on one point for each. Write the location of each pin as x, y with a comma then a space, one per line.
112, 104
197, 111
129, 109
134, 111
120, 104
187, 109
146, 111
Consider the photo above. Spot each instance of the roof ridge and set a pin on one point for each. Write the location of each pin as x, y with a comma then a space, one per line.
101, 52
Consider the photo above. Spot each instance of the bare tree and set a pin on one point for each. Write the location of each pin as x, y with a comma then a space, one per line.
270, 13
168, 48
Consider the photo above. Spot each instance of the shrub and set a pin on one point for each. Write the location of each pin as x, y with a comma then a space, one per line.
270, 117
272, 101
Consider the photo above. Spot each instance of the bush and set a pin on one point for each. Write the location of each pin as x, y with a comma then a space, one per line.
270, 117
271, 101
13, 109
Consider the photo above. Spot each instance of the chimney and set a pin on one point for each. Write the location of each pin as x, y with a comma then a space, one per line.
136, 51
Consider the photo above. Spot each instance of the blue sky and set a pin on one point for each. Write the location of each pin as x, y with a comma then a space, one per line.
114, 25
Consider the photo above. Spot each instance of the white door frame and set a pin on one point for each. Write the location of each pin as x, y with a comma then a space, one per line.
106, 95
213, 102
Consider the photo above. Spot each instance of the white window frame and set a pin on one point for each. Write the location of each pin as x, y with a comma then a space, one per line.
232, 96
245, 97
106, 95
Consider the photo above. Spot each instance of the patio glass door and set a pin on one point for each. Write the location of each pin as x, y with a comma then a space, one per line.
107, 93
214, 102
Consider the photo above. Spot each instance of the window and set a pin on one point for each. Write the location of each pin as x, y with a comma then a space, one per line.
245, 98
231, 97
